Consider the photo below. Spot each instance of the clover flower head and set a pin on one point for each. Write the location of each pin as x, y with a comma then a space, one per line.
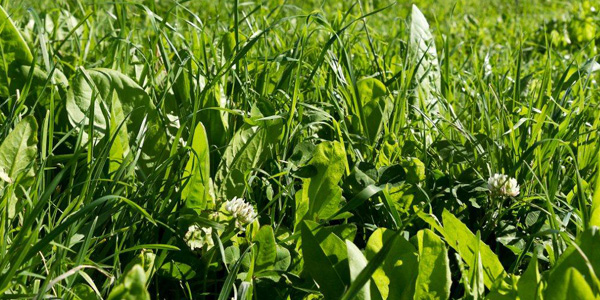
502, 185
197, 237
241, 210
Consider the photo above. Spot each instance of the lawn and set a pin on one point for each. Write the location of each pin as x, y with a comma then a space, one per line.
366, 149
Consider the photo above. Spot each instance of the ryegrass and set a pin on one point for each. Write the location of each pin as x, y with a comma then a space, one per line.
518, 96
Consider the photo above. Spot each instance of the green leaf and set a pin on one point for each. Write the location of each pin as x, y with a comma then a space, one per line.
529, 281
320, 196
433, 279
40, 80
177, 270
13, 51
248, 149
395, 277
123, 98
459, 237
570, 285
414, 168
146, 260
357, 263
266, 251
230, 280
83, 291
587, 245
133, 286
595, 209
422, 45
19, 149
283, 260
330, 240
377, 105
214, 118
196, 191
318, 265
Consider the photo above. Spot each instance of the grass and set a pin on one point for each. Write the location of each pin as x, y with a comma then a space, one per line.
361, 135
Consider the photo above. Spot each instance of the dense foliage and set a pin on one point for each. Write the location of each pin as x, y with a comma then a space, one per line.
299, 150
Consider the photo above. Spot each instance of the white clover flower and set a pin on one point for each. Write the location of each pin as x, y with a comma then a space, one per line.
197, 237
502, 185
242, 211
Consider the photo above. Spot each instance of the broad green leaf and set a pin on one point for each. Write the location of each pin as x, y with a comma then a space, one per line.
475, 274
266, 250
248, 149
184, 86
320, 196
40, 80
427, 75
214, 119
177, 270
377, 105
133, 286
122, 97
414, 168
433, 279
120, 146
395, 278
318, 265
570, 285
283, 260
357, 262
369, 270
196, 191
187, 86
333, 246
402, 196
13, 51
230, 280
343, 231
459, 237
506, 289
595, 210
529, 281
19, 149
589, 243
